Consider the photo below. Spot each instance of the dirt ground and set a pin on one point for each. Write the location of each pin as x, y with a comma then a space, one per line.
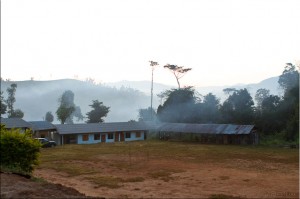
16, 186
237, 179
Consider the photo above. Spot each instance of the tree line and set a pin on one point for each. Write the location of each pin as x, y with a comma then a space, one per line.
65, 112
271, 114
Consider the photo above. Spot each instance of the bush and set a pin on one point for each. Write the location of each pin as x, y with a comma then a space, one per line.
19, 152
278, 139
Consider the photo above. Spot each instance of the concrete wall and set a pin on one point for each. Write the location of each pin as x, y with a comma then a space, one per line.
91, 140
133, 136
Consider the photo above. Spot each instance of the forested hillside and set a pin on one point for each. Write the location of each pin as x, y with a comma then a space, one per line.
124, 98
35, 98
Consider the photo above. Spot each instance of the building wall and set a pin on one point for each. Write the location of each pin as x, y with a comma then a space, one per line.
134, 136
49, 134
88, 138
242, 139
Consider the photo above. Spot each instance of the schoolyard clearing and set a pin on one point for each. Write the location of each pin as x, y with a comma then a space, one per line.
158, 169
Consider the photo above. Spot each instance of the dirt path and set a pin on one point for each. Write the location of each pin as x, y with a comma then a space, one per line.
188, 180
15, 186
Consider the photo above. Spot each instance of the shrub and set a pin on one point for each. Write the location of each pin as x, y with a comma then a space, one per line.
19, 152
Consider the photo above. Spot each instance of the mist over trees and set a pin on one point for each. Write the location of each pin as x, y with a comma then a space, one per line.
67, 108
238, 108
272, 115
49, 117
97, 113
179, 107
147, 114
7, 106
3, 105
36, 98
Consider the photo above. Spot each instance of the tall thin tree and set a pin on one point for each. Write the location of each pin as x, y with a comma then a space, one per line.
178, 71
153, 64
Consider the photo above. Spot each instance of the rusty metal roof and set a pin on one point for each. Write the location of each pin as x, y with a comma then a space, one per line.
228, 129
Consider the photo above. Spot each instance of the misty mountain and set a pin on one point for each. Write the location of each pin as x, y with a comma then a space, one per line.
124, 98
35, 98
145, 86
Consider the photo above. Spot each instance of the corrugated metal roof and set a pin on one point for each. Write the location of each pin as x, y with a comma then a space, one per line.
143, 126
41, 125
206, 128
15, 123
102, 127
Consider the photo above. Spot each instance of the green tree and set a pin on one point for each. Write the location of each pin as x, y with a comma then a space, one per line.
210, 109
260, 95
11, 91
18, 113
69, 108
3, 105
49, 117
289, 77
10, 102
289, 113
238, 108
289, 107
267, 118
99, 111
178, 71
147, 114
63, 112
66, 107
180, 106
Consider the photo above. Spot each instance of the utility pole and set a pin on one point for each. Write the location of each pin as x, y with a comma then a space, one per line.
152, 64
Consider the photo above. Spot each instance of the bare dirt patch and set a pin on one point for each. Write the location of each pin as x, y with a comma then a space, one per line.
153, 169
16, 186
169, 178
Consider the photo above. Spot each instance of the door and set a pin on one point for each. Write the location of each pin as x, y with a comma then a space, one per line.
122, 136
117, 137
103, 138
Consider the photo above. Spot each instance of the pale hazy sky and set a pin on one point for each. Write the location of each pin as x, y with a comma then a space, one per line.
224, 41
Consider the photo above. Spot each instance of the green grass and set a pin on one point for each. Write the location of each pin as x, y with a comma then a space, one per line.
146, 150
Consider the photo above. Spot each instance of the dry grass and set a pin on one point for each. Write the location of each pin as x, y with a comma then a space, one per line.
105, 164
128, 155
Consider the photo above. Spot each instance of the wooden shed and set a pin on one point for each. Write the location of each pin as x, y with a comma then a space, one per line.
209, 133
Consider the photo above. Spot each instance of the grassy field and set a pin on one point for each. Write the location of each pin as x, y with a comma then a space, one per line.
113, 165
176, 150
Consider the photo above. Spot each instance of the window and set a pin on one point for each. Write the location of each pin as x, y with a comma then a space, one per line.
138, 134
128, 135
110, 136
85, 137
97, 136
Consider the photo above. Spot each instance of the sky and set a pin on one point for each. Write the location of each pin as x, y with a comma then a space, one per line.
225, 42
